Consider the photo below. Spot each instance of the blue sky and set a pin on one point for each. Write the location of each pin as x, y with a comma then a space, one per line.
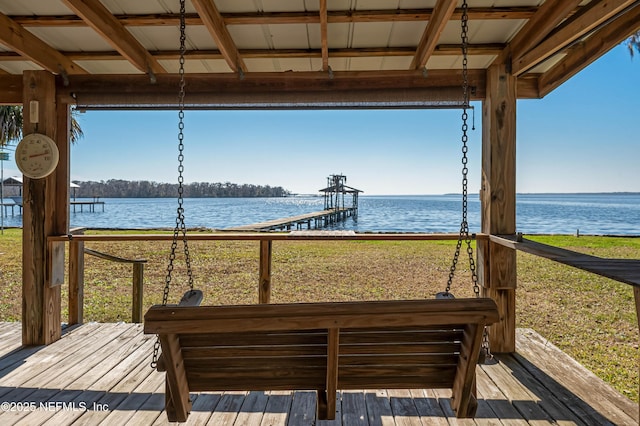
580, 138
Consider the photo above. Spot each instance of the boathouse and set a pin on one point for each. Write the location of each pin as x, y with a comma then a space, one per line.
336, 192
14, 186
114, 54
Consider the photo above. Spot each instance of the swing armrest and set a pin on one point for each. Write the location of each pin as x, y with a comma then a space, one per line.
190, 298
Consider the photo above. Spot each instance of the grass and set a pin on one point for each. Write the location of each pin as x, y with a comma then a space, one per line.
591, 318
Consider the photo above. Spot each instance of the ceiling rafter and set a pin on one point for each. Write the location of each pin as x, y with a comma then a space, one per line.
272, 18
104, 23
216, 26
32, 48
591, 17
442, 13
548, 16
591, 49
441, 50
323, 35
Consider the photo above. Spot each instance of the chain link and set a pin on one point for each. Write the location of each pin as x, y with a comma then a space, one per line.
464, 224
180, 228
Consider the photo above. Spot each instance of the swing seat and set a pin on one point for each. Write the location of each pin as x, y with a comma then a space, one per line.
321, 346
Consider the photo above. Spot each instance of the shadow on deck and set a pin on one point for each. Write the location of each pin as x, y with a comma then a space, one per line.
100, 372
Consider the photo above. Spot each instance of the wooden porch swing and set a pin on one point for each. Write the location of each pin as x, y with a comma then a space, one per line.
415, 344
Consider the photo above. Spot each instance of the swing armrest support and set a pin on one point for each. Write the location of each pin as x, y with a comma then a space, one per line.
177, 402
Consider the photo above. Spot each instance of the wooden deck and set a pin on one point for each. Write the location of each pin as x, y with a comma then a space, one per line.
100, 373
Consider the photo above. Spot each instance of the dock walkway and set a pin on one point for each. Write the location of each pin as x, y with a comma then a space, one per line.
73, 205
91, 205
310, 220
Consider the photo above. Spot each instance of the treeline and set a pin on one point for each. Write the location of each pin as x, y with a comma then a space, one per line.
117, 188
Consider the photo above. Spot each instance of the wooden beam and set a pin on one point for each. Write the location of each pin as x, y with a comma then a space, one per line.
590, 18
41, 303
548, 16
591, 49
98, 17
136, 89
622, 270
272, 18
442, 14
440, 50
11, 89
323, 35
405, 88
218, 30
32, 48
498, 201
499, 153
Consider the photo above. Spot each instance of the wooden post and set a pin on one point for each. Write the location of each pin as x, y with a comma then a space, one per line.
44, 214
497, 263
138, 291
76, 282
76, 278
264, 284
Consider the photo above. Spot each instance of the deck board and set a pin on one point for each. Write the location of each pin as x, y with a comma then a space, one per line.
105, 368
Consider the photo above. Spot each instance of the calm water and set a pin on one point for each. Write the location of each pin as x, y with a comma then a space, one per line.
617, 214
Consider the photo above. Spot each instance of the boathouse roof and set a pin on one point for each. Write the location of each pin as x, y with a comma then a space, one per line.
341, 188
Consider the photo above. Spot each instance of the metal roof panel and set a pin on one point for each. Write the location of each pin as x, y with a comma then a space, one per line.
71, 39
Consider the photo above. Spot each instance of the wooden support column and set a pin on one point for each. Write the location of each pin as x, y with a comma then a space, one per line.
45, 213
76, 278
264, 284
76, 282
497, 264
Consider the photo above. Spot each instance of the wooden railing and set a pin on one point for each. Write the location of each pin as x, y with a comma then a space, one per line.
77, 250
77, 239
623, 270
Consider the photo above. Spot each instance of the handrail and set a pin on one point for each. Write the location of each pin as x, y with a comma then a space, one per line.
137, 280
626, 271
76, 239
270, 236
112, 258
76, 278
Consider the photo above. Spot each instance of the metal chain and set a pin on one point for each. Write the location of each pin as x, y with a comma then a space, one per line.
180, 228
464, 225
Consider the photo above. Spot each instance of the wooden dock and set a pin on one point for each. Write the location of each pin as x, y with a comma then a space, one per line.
314, 220
100, 374
73, 205
91, 205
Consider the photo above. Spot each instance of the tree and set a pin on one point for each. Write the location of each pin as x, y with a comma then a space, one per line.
10, 124
11, 121
633, 42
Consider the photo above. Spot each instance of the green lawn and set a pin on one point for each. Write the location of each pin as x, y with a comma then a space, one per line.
591, 318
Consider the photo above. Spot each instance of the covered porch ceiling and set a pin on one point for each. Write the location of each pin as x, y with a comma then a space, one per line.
301, 53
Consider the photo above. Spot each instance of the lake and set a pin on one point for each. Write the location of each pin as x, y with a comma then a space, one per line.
600, 214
